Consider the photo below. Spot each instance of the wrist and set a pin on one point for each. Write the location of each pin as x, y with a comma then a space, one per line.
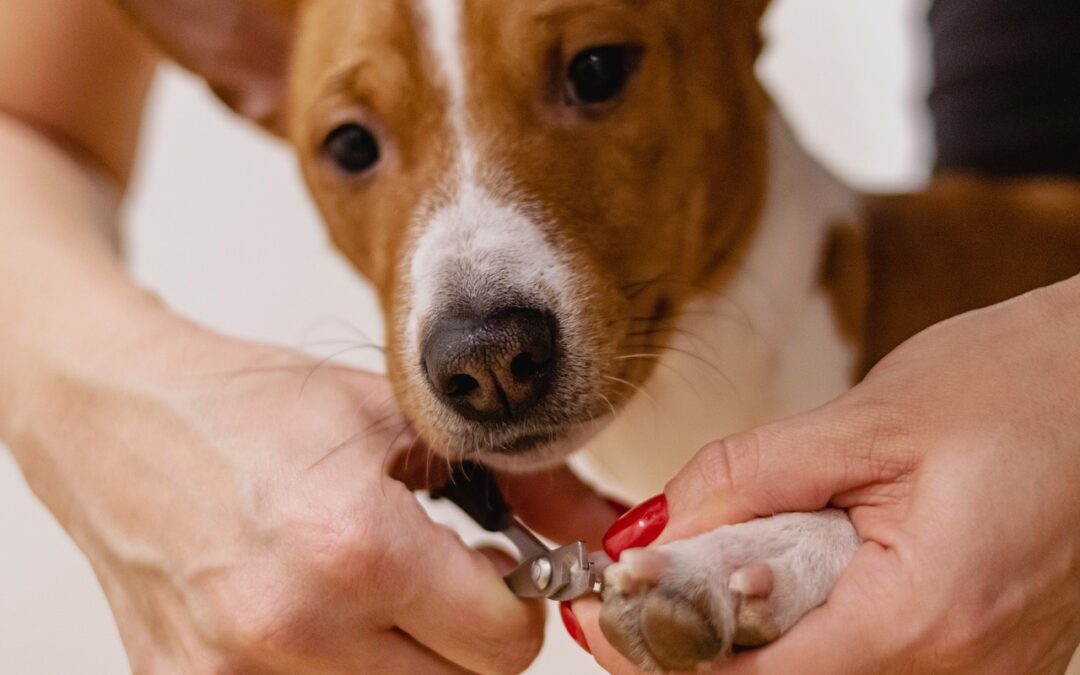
104, 338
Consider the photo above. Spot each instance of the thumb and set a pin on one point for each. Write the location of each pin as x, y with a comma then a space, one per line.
799, 464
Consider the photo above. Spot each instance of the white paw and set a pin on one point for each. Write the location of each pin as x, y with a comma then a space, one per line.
686, 605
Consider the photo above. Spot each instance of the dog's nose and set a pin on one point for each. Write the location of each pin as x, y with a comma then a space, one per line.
492, 368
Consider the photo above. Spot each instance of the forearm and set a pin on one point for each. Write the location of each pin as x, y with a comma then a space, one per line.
69, 315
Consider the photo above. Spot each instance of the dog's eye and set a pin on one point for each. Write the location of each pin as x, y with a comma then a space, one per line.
598, 74
352, 147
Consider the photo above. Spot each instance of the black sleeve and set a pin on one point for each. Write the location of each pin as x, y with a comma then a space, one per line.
1006, 93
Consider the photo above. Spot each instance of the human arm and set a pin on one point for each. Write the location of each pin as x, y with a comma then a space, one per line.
184, 463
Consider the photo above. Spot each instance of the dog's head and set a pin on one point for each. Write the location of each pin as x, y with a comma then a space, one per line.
534, 187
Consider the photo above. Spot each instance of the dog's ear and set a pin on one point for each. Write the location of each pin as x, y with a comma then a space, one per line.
241, 47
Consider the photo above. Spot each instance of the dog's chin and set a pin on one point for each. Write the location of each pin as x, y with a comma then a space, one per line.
536, 451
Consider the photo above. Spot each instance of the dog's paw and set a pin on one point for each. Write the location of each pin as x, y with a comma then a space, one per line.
686, 605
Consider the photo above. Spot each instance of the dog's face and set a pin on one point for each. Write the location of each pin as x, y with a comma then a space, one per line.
519, 179
535, 187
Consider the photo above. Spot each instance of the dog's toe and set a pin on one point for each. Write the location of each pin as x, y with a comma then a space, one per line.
654, 625
662, 618
678, 633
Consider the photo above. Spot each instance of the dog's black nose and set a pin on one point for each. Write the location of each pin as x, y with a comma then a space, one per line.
492, 368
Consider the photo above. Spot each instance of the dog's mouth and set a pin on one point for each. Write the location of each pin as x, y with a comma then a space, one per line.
535, 450
526, 443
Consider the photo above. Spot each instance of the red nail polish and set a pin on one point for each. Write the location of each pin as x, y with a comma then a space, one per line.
572, 626
618, 507
639, 527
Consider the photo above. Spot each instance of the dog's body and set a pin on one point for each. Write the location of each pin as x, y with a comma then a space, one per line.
588, 226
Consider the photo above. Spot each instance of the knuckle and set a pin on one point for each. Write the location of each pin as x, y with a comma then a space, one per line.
348, 551
729, 464
274, 633
883, 435
247, 620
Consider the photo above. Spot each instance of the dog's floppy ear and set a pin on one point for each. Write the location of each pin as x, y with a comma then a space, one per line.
241, 47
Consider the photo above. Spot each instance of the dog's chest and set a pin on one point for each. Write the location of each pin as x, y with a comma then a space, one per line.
765, 345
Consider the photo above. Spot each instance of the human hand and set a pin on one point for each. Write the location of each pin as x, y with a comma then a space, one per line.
233, 501
958, 459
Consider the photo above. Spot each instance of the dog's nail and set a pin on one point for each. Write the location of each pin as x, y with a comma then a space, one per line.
618, 507
639, 570
638, 527
572, 626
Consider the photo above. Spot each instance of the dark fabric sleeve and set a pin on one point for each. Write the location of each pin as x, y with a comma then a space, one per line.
1006, 93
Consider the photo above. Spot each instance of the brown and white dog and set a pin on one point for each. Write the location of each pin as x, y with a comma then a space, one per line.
589, 226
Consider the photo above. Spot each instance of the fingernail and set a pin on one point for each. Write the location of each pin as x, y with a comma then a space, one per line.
638, 527
618, 507
572, 625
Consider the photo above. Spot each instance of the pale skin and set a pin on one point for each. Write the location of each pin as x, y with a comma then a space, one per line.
959, 461
194, 470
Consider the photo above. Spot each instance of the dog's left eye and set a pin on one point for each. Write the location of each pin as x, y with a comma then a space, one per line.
598, 74
352, 147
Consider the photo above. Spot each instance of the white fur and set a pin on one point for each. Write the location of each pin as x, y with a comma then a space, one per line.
442, 19
472, 234
475, 242
765, 346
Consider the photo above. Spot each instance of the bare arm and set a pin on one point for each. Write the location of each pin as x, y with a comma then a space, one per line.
231, 497
72, 87
71, 69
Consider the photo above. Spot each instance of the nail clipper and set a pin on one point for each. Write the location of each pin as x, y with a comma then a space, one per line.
560, 574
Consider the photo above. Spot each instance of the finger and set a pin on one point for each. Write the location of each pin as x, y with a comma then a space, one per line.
798, 464
398, 652
500, 559
587, 612
455, 602
559, 505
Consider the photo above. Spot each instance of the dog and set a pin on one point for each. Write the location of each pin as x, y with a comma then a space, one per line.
576, 210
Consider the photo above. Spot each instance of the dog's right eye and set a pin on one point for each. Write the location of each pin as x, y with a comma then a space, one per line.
599, 74
352, 147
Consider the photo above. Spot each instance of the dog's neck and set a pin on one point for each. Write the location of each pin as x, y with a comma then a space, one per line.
763, 345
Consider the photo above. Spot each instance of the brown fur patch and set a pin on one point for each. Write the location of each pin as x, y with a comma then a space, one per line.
961, 244
845, 277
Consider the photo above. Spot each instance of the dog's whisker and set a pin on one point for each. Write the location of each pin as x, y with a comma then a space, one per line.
390, 450
389, 453
678, 350
636, 388
321, 363
340, 323
611, 405
355, 438
351, 343
658, 359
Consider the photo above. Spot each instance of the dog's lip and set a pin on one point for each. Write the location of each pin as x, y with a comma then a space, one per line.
535, 440
525, 443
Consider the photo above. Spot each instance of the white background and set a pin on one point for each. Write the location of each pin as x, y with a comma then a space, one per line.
220, 226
